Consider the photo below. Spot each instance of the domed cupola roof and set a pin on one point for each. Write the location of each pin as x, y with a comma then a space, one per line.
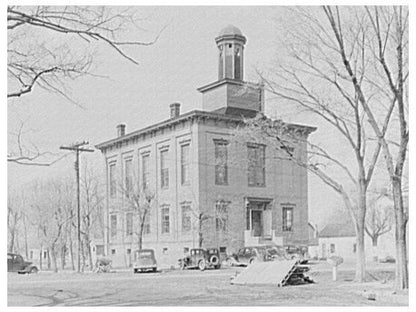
230, 32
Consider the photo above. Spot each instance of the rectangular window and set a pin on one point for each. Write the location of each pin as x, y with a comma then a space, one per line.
287, 219
256, 165
113, 225
354, 248
146, 225
165, 220
332, 248
186, 218
221, 216
164, 170
113, 180
145, 171
129, 223
113, 251
128, 174
184, 164
221, 169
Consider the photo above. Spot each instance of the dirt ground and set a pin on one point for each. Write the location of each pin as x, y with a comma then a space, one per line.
195, 288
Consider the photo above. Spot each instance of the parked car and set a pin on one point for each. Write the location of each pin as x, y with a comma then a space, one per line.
248, 255
103, 265
214, 258
15, 263
144, 261
201, 259
277, 252
297, 252
387, 259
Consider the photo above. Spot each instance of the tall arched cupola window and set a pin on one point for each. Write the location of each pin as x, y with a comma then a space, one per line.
230, 42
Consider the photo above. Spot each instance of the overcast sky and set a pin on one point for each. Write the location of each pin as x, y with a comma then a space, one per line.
183, 59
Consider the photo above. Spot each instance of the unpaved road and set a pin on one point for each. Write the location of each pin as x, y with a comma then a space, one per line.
190, 288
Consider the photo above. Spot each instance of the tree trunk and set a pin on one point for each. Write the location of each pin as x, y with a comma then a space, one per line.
63, 255
402, 277
82, 255
360, 232
54, 261
71, 252
40, 258
89, 254
374, 241
11, 244
360, 264
49, 258
25, 234
140, 240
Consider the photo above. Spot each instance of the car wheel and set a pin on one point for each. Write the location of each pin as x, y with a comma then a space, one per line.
202, 265
34, 270
252, 260
135, 271
154, 269
217, 267
214, 260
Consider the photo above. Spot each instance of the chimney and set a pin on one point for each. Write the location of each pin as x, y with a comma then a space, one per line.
121, 130
175, 110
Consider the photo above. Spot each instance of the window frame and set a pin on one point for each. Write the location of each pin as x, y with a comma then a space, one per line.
285, 227
165, 219
164, 169
221, 216
113, 225
185, 163
129, 223
112, 167
221, 163
145, 162
256, 169
186, 215
128, 176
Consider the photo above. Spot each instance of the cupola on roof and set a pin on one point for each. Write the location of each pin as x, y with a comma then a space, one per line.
230, 30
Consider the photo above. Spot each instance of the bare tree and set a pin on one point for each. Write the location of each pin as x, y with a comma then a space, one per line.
92, 201
49, 215
35, 61
379, 218
387, 44
14, 217
139, 200
336, 74
48, 46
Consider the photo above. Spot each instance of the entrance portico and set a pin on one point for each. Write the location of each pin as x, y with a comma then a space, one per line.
258, 220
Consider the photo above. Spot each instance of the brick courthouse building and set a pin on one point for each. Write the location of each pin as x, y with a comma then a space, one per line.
246, 196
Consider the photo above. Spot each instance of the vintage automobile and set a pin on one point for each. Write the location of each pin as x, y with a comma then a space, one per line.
298, 252
201, 259
214, 258
248, 255
145, 261
277, 252
15, 263
103, 265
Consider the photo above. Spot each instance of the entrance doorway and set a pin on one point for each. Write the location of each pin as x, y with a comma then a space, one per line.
257, 222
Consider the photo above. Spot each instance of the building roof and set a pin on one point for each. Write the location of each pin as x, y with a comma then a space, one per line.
232, 115
230, 30
338, 230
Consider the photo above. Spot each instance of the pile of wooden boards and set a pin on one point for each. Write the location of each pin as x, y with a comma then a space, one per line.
280, 273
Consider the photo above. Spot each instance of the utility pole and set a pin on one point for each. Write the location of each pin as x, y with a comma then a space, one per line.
77, 148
